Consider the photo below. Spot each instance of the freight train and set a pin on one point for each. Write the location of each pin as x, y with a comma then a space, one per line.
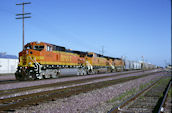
40, 60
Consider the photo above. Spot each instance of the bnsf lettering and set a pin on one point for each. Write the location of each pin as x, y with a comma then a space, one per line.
65, 58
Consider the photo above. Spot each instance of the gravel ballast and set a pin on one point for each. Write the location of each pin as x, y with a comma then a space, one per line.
7, 77
93, 101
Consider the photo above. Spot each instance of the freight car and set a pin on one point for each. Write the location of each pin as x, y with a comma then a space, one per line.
40, 60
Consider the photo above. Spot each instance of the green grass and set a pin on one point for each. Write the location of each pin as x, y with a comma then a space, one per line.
130, 92
122, 96
170, 92
142, 86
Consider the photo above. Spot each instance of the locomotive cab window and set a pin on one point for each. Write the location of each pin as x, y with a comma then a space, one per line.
90, 55
38, 48
49, 48
28, 47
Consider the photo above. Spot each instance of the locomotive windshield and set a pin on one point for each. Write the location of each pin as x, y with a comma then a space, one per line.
28, 47
38, 48
90, 55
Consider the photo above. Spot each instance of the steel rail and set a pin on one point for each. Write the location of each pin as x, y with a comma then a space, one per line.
161, 108
8, 81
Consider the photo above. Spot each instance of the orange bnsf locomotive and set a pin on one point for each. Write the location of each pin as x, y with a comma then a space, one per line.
42, 60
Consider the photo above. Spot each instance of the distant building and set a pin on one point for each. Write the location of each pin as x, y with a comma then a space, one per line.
8, 63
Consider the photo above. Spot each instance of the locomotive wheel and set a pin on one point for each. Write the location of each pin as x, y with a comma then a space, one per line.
18, 76
57, 74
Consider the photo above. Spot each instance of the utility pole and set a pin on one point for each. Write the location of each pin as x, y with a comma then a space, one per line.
143, 63
23, 16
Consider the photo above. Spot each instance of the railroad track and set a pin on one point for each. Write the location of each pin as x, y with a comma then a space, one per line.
9, 104
60, 84
146, 101
8, 81
2, 82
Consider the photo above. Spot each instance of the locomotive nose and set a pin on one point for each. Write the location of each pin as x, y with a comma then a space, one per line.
24, 59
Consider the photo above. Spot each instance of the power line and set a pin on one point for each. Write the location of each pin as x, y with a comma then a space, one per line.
23, 16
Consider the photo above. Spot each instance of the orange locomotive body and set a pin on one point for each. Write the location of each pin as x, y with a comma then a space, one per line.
43, 60
119, 64
44, 53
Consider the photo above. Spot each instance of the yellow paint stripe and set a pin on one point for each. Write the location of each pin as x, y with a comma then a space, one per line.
58, 63
65, 53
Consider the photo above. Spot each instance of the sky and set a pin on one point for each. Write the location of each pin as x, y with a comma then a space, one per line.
128, 28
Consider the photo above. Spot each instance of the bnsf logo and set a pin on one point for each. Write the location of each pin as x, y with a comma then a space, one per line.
66, 58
